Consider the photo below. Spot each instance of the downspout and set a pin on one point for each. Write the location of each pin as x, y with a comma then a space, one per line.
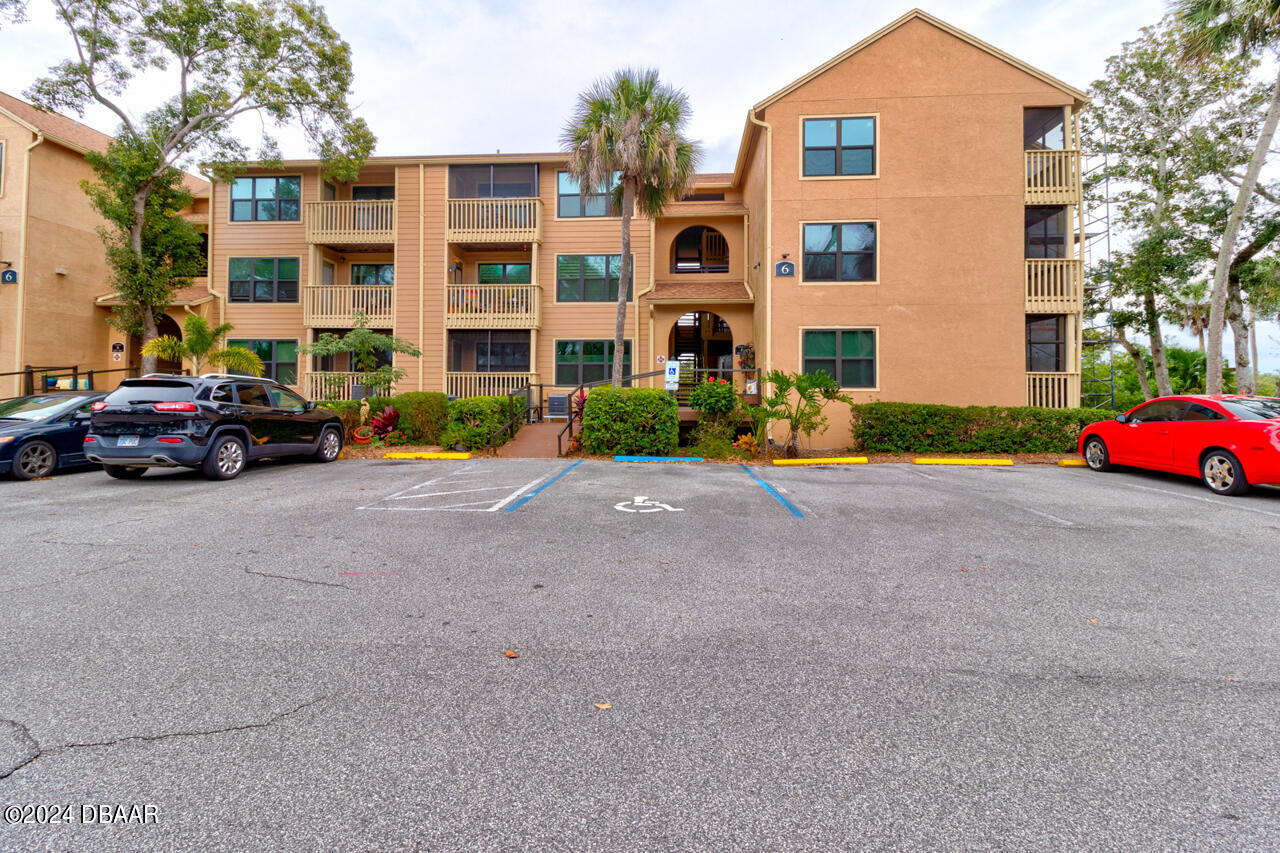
422, 343
22, 252
746, 256
653, 228
213, 218
768, 226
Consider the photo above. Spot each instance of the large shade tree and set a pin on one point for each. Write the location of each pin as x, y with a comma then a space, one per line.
631, 127
1215, 28
279, 59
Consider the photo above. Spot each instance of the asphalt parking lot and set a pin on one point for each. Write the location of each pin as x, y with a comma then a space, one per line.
312, 657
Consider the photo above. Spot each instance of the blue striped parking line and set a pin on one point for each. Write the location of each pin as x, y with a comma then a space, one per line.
524, 500
791, 508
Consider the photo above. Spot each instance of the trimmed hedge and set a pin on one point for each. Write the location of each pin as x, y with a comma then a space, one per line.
927, 428
633, 421
349, 411
424, 415
474, 419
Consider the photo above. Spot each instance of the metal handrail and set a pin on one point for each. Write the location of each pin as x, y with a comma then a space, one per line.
73, 371
523, 413
568, 427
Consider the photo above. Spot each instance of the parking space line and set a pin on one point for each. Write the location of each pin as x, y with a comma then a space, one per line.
791, 508
524, 500
454, 492
1221, 504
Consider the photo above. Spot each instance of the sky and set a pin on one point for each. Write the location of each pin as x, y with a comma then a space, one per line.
500, 75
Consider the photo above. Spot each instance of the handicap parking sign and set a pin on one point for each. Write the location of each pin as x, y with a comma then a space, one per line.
673, 376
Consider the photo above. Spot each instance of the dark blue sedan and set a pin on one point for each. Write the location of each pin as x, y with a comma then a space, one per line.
44, 432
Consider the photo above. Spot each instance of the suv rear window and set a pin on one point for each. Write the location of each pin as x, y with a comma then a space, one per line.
133, 392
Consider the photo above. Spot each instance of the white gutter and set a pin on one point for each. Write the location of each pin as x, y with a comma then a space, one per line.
768, 226
22, 252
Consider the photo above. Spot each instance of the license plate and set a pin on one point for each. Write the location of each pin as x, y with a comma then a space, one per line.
127, 441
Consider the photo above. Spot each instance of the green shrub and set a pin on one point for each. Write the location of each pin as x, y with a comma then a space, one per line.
424, 415
472, 420
632, 421
349, 411
927, 428
715, 399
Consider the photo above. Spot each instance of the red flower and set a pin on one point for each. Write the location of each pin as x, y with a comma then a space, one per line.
723, 382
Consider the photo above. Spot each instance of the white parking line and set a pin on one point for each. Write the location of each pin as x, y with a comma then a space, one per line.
469, 470
1221, 503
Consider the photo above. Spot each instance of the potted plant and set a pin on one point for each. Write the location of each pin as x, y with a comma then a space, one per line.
362, 435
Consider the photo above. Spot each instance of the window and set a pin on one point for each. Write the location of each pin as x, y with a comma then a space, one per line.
840, 146
846, 355
590, 278
1158, 411
253, 394
1046, 344
373, 273
266, 199
1253, 409
263, 279
579, 362
489, 352
841, 251
1197, 412
283, 398
222, 394
571, 201
280, 358
506, 180
1043, 129
503, 273
373, 193
1046, 232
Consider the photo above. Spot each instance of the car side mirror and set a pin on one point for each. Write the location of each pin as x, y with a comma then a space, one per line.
1122, 419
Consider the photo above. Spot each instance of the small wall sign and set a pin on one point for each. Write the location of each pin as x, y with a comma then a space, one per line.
662, 359
784, 269
9, 277
117, 347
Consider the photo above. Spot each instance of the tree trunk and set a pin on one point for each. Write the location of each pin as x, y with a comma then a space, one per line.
1159, 358
1218, 297
1239, 335
624, 278
149, 330
1253, 347
1200, 338
1139, 363
149, 333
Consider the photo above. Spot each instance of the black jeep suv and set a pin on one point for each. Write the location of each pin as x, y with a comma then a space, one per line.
216, 422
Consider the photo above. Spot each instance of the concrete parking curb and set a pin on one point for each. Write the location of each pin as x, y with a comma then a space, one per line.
829, 460
440, 455
1072, 463
986, 462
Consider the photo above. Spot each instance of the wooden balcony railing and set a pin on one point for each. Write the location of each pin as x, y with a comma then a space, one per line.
493, 306
494, 220
342, 222
1053, 390
1053, 177
1054, 286
334, 306
460, 384
330, 385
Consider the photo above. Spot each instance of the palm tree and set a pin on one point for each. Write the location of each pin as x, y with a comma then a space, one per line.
1191, 311
631, 125
1213, 27
199, 344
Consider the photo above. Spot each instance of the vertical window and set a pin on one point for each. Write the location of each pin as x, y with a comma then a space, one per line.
840, 146
590, 278
841, 251
266, 199
373, 274
571, 201
1046, 232
280, 358
263, 279
1043, 129
1046, 344
503, 273
846, 355
579, 362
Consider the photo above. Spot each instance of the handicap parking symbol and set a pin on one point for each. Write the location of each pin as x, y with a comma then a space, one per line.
641, 503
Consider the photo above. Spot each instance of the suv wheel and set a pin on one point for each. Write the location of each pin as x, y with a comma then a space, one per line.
225, 459
330, 446
35, 459
121, 472
1221, 472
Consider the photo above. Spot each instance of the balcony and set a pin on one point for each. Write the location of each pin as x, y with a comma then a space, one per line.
1054, 286
334, 306
493, 306
1053, 177
494, 220
1053, 390
461, 384
351, 223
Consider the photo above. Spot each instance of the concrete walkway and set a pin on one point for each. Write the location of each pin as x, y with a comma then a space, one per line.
534, 441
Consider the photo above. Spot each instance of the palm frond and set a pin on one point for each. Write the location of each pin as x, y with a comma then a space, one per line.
165, 348
237, 360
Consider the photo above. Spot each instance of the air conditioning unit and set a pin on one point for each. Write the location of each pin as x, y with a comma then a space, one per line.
557, 407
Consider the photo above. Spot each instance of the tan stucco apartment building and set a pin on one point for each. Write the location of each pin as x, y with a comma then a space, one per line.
905, 217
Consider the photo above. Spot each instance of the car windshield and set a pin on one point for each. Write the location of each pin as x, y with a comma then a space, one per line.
1254, 408
36, 407
138, 392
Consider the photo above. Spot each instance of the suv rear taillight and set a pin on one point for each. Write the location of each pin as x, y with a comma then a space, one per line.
99, 406
175, 407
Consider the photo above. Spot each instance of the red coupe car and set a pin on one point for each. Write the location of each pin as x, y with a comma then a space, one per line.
1230, 442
